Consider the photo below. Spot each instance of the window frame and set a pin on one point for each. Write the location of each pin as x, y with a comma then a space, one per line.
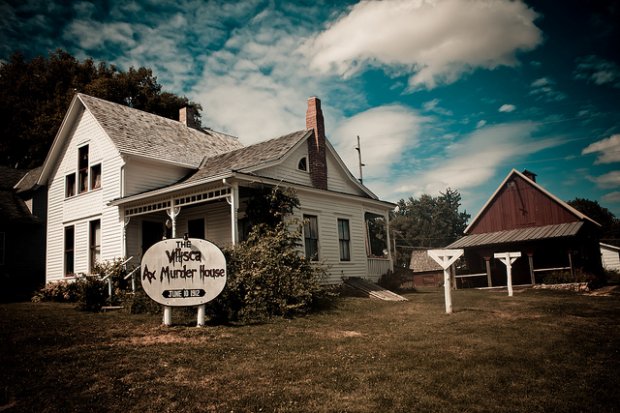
83, 181
69, 251
94, 244
344, 239
311, 237
70, 185
305, 164
94, 179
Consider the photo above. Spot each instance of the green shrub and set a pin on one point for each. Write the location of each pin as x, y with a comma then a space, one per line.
391, 280
66, 291
92, 293
139, 303
268, 277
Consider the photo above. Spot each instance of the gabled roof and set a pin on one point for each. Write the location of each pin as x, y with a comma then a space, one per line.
29, 181
12, 207
135, 132
251, 157
563, 204
142, 134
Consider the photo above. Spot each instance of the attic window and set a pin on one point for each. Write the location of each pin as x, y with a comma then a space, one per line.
83, 169
303, 164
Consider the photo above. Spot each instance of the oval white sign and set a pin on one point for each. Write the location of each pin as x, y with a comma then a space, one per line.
179, 272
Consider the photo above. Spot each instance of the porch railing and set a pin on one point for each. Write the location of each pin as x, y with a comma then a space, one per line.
377, 267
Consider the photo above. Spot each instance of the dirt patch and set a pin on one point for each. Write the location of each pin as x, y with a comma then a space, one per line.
606, 291
339, 334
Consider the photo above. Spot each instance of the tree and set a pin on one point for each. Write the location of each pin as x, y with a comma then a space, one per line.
35, 95
428, 222
610, 225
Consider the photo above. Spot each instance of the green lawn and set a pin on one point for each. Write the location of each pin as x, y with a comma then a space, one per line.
538, 351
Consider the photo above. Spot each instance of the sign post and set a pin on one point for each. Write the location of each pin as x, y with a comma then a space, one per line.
182, 273
445, 258
507, 258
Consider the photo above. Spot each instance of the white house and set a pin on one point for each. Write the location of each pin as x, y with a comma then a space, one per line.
610, 255
120, 179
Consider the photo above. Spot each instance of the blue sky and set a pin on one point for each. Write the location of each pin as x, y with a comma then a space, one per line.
445, 93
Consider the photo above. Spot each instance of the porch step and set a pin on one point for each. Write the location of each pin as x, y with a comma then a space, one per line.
111, 308
373, 290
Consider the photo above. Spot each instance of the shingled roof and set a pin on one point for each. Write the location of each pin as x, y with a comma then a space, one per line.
144, 134
249, 157
12, 208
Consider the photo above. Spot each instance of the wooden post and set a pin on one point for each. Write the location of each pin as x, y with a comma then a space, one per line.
200, 316
570, 264
530, 260
167, 320
487, 263
445, 258
507, 258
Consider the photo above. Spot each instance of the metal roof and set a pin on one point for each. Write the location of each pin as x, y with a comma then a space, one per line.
519, 235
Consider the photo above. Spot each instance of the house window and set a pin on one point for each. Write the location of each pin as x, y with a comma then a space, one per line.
95, 243
344, 239
311, 237
69, 250
83, 169
303, 164
70, 185
95, 176
2, 247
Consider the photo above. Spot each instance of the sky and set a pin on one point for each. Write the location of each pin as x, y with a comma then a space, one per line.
442, 93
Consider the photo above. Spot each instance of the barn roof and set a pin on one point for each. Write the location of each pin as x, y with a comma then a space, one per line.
518, 235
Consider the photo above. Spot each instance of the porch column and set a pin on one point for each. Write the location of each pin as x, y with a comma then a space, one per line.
530, 260
173, 212
487, 263
124, 240
570, 264
234, 213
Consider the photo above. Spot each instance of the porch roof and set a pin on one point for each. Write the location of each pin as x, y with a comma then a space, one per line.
519, 235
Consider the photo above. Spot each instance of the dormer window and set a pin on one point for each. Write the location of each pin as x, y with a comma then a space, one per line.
83, 169
303, 164
88, 176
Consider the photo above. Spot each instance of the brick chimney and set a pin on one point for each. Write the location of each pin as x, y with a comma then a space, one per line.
186, 117
529, 175
316, 145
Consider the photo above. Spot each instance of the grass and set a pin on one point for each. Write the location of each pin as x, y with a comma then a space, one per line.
538, 351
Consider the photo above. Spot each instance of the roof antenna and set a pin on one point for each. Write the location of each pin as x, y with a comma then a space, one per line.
358, 148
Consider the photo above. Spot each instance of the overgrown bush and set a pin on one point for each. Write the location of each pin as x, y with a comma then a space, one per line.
139, 303
392, 280
268, 277
64, 291
562, 277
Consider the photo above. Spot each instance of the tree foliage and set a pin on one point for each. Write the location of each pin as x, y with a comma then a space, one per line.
428, 221
35, 95
610, 224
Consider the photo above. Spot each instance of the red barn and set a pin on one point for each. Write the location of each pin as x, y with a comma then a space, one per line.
522, 216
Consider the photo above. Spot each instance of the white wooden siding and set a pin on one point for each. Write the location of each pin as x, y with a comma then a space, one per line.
329, 210
610, 258
142, 176
338, 180
82, 208
288, 171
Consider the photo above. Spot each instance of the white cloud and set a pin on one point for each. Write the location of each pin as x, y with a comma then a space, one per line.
436, 41
471, 161
608, 150
608, 180
544, 88
597, 70
507, 108
386, 134
612, 197
481, 123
